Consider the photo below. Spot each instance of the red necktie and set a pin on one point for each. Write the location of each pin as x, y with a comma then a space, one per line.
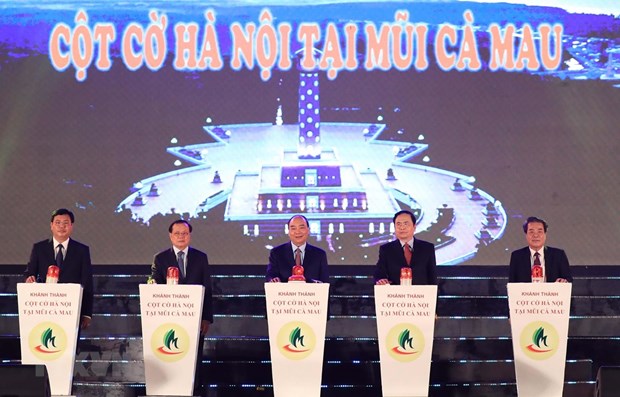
537, 270
407, 249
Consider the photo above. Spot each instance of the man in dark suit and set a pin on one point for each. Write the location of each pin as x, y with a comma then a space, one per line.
392, 255
193, 268
72, 257
283, 257
554, 262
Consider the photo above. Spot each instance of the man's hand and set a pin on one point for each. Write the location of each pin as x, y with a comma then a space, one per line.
31, 279
561, 280
204, 327
275, 280
85, 322
383, 281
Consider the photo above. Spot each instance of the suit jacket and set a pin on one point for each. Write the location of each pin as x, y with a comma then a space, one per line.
197, 270
282, 260
76, 268
556, 265
392, 259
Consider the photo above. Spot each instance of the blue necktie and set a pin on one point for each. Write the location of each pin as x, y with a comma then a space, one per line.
59, 257
181, 263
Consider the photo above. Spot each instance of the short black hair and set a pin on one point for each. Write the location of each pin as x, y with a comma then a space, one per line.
534, 219
396, 215
301, 216
62, 211
178, 221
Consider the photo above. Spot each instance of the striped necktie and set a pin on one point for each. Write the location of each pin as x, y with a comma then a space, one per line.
297, 257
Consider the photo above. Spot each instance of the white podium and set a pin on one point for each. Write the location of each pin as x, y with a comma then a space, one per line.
297, 316
539, 314
171, 316
405, 330
49, 319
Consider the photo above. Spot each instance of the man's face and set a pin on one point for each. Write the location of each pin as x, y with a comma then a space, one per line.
298, 231
61, 227
404, 227
180, 236
536, 235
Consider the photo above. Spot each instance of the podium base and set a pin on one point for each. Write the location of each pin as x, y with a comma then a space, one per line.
160, 395
407, 395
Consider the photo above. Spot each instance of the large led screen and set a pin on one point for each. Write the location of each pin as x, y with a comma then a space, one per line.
238, 115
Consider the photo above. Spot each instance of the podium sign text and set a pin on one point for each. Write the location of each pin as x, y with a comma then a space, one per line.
297, 315
49, 317
171, 316
405, 329
539, 314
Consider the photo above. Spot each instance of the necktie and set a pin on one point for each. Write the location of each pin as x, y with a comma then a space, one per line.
59, 256
297, 257
537, 270
181, 263
407, 249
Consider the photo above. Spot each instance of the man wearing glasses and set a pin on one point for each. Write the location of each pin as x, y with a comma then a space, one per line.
193, 268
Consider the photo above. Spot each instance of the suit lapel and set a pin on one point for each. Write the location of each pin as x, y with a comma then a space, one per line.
398, 250
549, 265
190, 257
415, 252
49, 252
527, 256
70, 252
175, 260
307, 256
527, 260
290, 255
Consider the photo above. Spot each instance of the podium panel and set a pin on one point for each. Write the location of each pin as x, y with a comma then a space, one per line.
49, 317
405, 328
297, 316
539, 314
170, 316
